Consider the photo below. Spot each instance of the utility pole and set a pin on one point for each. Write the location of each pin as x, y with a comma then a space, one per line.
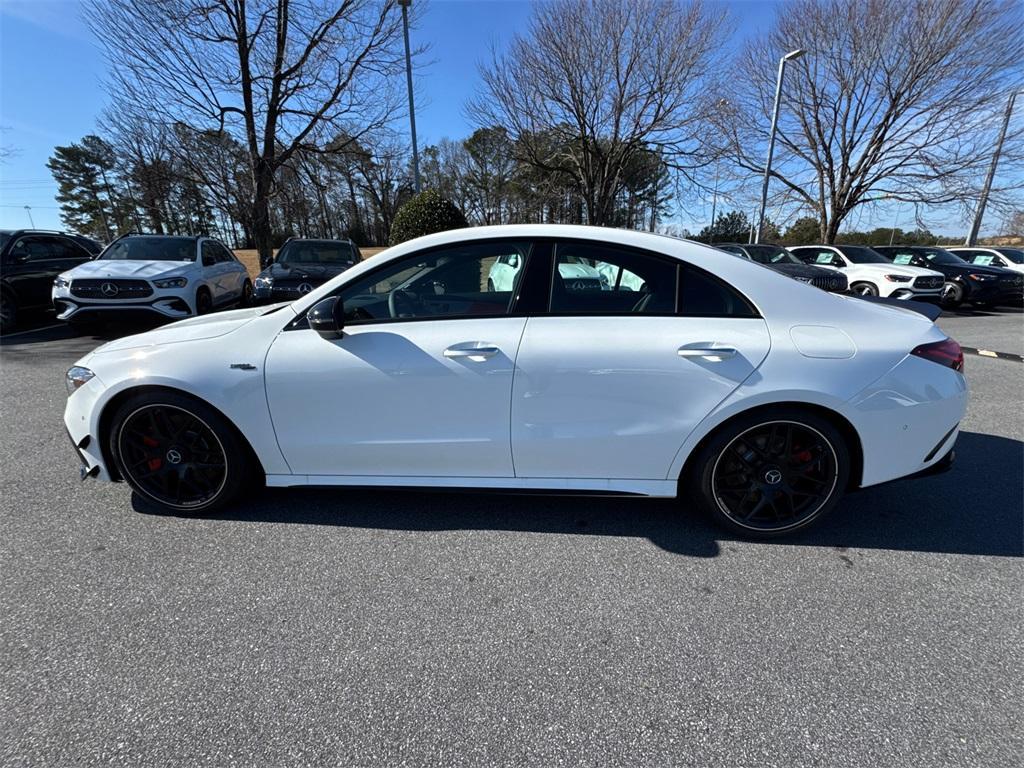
972, 238
771, 139
412, 109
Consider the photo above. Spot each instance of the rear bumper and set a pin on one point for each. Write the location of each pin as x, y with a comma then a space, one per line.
908, 420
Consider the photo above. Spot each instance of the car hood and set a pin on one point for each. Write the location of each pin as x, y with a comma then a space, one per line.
192, 329
128, 268
312, 272
899, 269
800, 270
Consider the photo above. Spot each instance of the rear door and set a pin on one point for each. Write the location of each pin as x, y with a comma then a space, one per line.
609, 383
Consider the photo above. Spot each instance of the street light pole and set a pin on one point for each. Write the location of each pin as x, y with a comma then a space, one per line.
28, 210
412, 109
771, 139
972, 238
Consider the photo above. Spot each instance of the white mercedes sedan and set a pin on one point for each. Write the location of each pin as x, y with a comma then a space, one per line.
754, 397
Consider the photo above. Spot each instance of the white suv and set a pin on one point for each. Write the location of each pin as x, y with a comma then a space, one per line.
871, 274
154, 275
988, 256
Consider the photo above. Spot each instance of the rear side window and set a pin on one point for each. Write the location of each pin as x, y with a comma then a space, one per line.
594, 279
701, 294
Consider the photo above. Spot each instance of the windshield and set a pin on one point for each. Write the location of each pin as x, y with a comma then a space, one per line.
151, 249
941, 256
316, 252
861, 255
771, 254
1013, 254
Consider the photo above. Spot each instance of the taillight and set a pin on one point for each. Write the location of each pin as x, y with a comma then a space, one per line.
946, 352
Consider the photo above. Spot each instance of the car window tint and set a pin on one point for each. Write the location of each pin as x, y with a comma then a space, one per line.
209, 253
224, 254
64, 248
704, 295
455, 281
34, 249
597, 279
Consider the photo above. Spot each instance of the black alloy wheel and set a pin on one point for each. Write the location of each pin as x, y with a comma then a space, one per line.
178, 452
771, 475
204, 302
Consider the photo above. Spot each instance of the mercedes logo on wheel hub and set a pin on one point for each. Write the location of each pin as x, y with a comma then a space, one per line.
174, 456
109, 289
773, 477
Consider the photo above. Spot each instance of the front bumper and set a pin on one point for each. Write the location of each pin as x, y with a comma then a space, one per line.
81, 430
168, 304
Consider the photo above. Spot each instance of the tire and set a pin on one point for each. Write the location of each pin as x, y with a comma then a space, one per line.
8, 312
864, 289
752, 482
204, 302
246, 300
179, 453
952, 295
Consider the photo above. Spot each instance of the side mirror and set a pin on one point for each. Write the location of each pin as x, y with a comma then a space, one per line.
327, 317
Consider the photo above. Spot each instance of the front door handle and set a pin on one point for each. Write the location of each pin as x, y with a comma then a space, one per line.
477, 354
713, 354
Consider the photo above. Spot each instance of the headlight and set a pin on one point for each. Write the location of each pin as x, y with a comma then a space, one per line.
980, 278
171, 282
76, 377
61, 282
264, 282
897, 278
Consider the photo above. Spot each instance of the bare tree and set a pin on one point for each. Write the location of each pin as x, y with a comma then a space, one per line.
896, 100
279, 75
606, 79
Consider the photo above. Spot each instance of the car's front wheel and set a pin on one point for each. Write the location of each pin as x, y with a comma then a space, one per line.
772, 473
8, 311
178, 452
204, 302
952, 295
864, 289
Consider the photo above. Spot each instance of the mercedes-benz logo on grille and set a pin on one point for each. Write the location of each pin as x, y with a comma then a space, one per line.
305, 288
109, 289
174, 456
773, 477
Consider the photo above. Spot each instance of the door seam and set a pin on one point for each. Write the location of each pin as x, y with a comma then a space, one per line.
512, 394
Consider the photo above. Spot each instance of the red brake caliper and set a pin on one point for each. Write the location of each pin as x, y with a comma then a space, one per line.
154, 462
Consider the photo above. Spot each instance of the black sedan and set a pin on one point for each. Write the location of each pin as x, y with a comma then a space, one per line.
778, 258
974, 283
29, 261
300, 266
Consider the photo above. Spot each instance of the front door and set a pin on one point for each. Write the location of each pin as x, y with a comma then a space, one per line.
420, 383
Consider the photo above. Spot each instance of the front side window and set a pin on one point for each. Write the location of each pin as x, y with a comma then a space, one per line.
590, 278
33, 249
453, 281
1016, 255
151, 249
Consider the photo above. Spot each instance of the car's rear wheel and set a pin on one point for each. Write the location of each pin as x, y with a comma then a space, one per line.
952, 295
178, 452
864, 289
772, 473
204, 302
8, 312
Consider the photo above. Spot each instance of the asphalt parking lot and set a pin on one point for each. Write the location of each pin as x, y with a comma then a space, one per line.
399, 628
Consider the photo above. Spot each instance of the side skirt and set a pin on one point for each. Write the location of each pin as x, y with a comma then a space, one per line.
588, 486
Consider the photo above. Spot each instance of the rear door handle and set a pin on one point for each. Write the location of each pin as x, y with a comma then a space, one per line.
713, 354
476, 353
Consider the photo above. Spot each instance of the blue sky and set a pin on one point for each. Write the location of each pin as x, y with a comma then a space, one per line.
51, 73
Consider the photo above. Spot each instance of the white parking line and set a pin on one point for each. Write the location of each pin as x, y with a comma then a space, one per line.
32, 330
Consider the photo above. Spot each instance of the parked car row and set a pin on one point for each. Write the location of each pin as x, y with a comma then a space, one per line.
168, 278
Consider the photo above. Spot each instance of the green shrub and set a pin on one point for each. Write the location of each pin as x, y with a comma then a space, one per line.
426, 213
